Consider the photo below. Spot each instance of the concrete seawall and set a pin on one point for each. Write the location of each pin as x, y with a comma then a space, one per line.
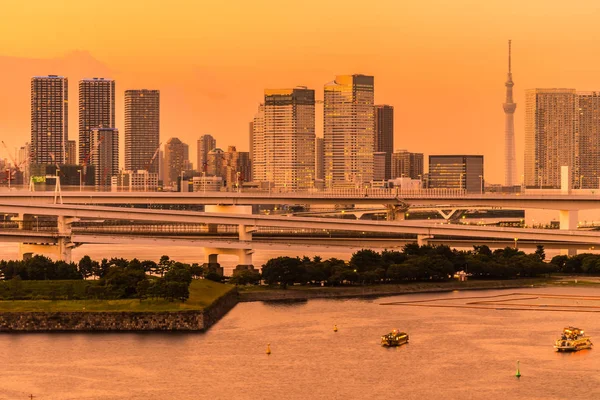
189, 320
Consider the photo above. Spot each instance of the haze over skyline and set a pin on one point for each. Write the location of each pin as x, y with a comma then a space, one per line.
442, 66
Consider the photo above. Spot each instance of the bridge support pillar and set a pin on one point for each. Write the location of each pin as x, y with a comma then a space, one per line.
211, 261
61, 249
422, 239
568, 221
244, 232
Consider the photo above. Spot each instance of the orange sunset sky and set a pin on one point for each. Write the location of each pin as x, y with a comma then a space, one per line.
441, 64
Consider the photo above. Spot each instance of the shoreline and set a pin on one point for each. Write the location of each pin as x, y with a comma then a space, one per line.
296, 293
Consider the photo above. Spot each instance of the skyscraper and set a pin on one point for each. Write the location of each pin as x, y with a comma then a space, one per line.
407, 165
320, 158
379, 158
562, 128
510, 160
259, 173
588, 161
551, 125
49, 119
142, 129
71, 152
176, 155
236, 167
105, 158
289, 137
384, 135
96, 110
348, 131
205, 144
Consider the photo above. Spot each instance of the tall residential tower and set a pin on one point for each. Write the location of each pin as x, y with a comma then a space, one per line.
384, 135
205, 144
510, 160
96, 110
348, 124
49, 119
142, 129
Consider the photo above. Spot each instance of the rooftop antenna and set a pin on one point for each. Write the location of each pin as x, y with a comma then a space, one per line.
509, 56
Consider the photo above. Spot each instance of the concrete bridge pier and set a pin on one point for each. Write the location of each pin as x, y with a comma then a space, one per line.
245, 235
568, 221
422, 240
61, 249
211, 260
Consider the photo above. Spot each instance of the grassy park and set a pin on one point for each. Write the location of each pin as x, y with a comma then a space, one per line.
203, 292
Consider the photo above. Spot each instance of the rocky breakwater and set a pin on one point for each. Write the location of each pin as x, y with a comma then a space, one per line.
96, 321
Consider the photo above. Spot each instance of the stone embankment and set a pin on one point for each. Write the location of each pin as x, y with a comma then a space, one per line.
300, 293
189, 320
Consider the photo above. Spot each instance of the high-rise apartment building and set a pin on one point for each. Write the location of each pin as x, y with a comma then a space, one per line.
384, 135
96, 110
105, 157
49, 119
236, 167
456, 172
257, 146
71, 152
142, 129
288, 138
551, 135
407, 165
379, 158
205, 144
215, 163
587, 166
320, 158
348, 131
176, 155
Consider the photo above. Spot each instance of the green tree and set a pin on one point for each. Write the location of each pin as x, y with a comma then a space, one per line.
142, 288
86, 267
539, 251
365, 260
282, 270
245, 277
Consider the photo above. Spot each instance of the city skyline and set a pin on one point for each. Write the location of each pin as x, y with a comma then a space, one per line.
466, 65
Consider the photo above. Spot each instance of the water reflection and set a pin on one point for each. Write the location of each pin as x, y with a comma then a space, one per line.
454, 353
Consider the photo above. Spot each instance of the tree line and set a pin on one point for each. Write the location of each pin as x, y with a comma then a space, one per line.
116, 278
412, 263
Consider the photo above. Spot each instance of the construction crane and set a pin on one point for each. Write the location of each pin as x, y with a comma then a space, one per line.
16, 166
12, 158
148, 167
152, 159
87, 158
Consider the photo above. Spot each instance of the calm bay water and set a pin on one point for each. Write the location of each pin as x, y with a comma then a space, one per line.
454, 353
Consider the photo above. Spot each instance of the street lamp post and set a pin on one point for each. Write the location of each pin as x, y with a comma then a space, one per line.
516, 240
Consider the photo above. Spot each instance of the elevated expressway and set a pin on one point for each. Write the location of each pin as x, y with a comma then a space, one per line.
65, 239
